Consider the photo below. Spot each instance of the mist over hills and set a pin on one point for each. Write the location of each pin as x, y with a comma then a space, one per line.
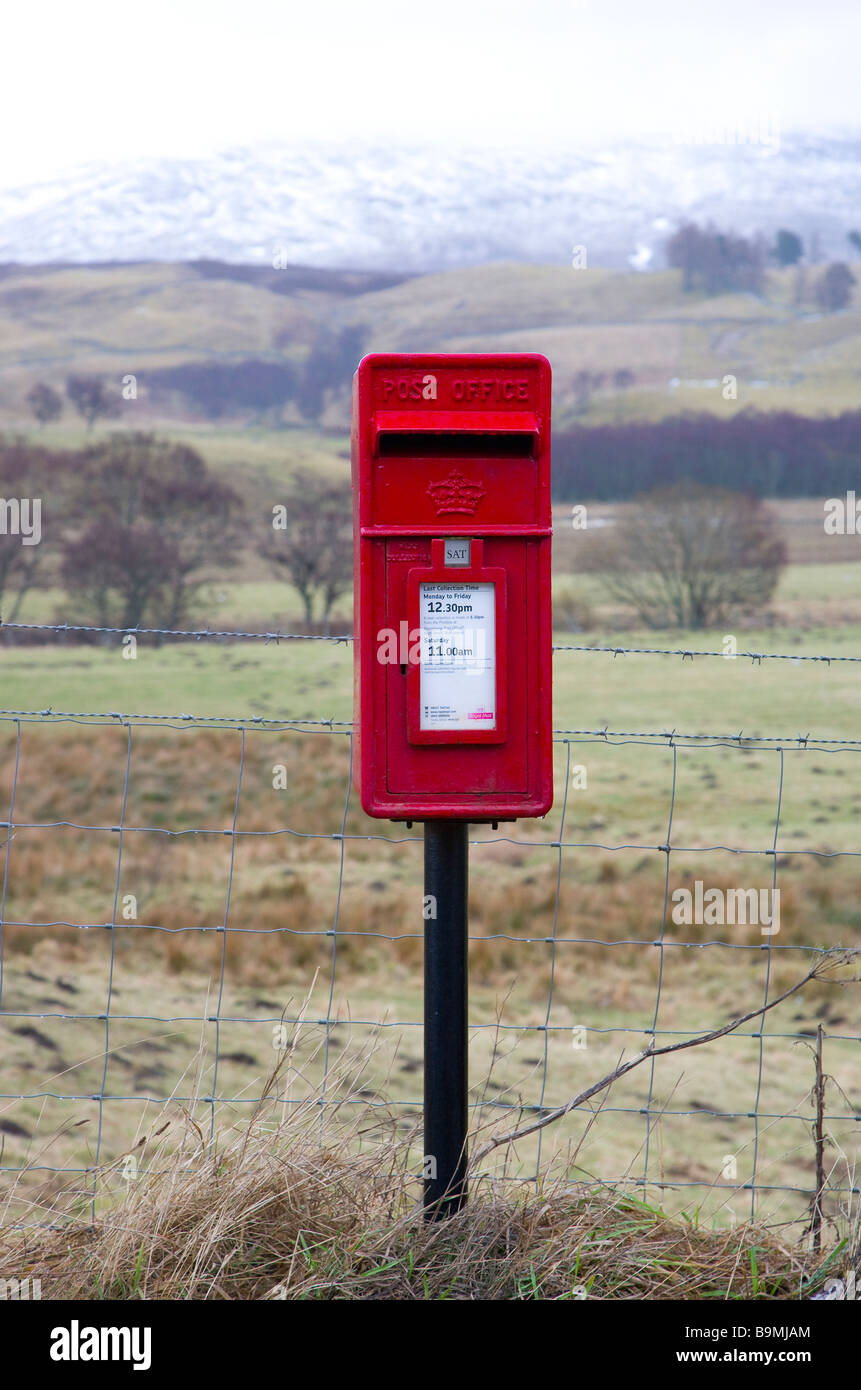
413, 211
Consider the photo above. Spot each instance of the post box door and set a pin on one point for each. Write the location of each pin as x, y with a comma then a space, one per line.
443, 767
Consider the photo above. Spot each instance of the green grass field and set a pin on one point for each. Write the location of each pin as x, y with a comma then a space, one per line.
301, 679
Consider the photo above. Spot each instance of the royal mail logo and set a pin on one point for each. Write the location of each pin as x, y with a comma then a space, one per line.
456, 494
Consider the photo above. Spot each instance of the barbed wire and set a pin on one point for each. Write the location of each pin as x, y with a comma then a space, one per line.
194, 634
688, 653
276, 636
116, 717
273, 723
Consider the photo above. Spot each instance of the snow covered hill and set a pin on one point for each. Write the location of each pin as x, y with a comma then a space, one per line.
419, 210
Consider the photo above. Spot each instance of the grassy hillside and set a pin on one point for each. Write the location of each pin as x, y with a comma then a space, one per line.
132, 318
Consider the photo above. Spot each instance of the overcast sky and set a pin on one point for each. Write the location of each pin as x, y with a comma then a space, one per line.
101, 81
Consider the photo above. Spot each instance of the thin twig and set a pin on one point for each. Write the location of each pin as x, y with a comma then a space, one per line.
651, 1051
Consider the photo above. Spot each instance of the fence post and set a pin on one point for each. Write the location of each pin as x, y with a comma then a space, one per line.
819, 1134
445, 1030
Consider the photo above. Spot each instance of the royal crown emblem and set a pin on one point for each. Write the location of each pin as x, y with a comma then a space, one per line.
456, 494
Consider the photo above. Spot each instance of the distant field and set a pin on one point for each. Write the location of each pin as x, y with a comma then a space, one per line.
821, 585
312, 679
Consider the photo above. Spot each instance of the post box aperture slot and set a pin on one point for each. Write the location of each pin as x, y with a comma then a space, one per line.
455, 444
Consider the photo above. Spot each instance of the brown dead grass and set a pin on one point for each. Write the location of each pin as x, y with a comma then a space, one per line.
282, 1209
176, 863
284, 899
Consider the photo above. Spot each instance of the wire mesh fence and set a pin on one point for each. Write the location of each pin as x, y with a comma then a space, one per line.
186, 897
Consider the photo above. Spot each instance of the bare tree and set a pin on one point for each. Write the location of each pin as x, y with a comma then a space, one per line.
330, 363
715, 261
834, 289
45, 403
32, 484
623, 377
126, 574
91, 398
689, 555
788, 248
155, 525
311, 538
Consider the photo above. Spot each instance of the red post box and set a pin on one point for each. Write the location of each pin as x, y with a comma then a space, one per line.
452, 620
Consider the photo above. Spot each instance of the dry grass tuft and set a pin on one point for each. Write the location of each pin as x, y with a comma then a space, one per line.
299, 1208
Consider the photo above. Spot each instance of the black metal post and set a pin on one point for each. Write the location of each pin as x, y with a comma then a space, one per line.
446, 985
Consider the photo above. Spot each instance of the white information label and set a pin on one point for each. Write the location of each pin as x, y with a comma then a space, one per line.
458, 656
